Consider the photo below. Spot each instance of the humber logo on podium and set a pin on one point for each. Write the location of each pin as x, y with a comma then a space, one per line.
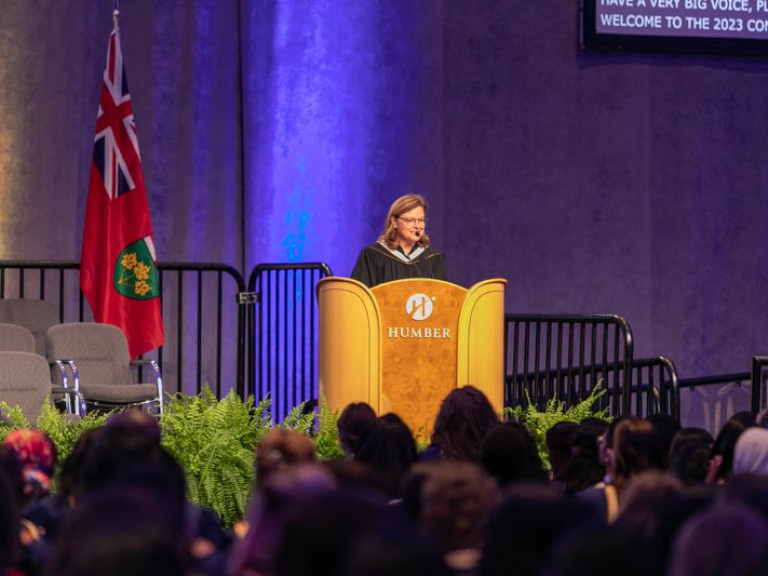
419, 307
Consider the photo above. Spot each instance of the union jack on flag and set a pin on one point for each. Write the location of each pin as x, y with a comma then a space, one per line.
118, 274
115, 146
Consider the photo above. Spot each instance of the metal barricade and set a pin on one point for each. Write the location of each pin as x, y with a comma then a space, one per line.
565, 356
657, 387
283, 333
204, 324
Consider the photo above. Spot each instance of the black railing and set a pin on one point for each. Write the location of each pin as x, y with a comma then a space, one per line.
759, 379
204, 324
565, 357
656, 388
263, 340
282, 331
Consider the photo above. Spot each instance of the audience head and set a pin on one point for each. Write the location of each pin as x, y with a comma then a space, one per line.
118, 532
528, 526
750, 453
746, 489
353, 424
457, 498
134, 429
10, 505
36, 455
667, 426
280, 493
280, 449
646, 499
559, 440
320, 537
585, 467
725, 441
722, 541
637, 447
464, 418
509, 453
389, 450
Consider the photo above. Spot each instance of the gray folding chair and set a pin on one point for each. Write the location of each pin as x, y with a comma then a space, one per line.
16, 338
25, 381
97, 357
35, 315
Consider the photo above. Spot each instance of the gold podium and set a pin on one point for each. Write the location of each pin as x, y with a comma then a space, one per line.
403, 346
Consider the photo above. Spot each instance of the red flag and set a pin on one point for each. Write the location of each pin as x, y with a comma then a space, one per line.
118, 275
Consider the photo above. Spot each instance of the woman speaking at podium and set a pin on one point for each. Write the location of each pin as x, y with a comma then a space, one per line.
403, 249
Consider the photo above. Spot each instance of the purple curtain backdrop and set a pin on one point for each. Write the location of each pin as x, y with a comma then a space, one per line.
276, 131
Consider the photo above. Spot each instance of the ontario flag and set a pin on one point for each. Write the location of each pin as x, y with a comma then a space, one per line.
118, 273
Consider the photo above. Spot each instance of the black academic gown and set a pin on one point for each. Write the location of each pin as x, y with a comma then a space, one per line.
377, 264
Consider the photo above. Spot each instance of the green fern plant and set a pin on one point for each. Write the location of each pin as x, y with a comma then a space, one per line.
214, 441
61, 428
539, 422
326, 437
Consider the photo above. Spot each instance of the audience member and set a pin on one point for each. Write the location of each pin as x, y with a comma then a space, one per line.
464, 418
635, 446
276, 499
750, 453
280, 449
457, 498
721, 541
119, 531
559, 440
667, 426
721, 457
689, 455
389, 451
528, 526
585, 468
509, 454
320, 537
353, 423
36, 455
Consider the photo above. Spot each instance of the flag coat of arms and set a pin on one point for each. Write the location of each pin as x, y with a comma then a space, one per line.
118, 273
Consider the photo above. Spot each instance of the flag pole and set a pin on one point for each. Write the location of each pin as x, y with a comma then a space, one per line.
115, 14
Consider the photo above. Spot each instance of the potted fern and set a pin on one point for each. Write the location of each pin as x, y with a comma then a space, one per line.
539, 422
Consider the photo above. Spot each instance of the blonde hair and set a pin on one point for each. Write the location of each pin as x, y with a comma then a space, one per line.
404, 204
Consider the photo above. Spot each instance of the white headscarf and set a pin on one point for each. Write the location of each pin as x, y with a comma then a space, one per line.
750, 455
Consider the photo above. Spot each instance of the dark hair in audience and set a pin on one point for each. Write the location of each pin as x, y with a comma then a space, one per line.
688, 434
70, 480
319, 538
585, 468
689, 461
389, 450
279, 449
464, 418
725, 441
604, 552
559, 440
395, 548
354, 422
645, 500
722, 541
749, 490
637, 447
457, 498
509, 453
10, 503
118, 532
528, 526
667, 426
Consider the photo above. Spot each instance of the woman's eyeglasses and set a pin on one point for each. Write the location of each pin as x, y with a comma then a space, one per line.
412, 221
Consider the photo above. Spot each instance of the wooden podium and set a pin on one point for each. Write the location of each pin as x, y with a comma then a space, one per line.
403, 346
